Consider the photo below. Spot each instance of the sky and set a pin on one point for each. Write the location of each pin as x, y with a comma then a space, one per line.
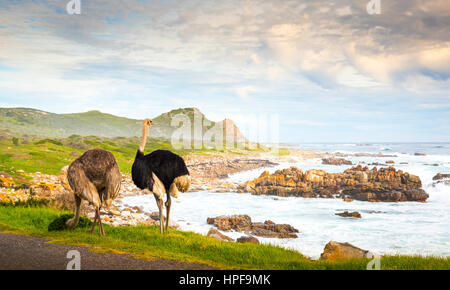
325, 71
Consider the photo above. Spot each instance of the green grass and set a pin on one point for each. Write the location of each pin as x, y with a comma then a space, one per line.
146, 242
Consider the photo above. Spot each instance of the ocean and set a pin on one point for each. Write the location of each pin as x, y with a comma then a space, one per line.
408, 228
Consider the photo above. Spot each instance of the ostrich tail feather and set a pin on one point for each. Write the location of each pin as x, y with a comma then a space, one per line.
183, 182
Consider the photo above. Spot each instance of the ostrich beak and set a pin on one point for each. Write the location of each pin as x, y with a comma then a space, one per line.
148, 122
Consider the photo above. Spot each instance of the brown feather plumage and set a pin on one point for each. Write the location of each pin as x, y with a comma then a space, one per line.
95, 177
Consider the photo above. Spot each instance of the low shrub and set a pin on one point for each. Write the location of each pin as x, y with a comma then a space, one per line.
59, 224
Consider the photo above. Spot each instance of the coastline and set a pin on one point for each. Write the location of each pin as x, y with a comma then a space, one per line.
212, 184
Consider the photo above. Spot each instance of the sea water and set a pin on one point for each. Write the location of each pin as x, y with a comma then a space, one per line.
409, 228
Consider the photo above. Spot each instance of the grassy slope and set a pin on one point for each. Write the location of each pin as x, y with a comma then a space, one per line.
147, 242
50, 155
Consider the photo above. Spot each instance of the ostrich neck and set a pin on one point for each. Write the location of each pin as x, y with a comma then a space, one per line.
144, 138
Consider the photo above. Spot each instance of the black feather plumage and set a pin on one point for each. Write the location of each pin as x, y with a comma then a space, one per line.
166, 165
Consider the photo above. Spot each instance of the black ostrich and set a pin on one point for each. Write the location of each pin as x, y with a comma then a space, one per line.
160, 172
94, 177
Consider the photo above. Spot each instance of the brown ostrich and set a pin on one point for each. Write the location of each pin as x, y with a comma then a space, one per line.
95, 177
161, 172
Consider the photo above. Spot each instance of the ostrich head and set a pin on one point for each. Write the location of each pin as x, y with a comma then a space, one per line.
148, 122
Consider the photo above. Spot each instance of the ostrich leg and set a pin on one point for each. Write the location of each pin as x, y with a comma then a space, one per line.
168, 203
74, 221
159, 202
95, 221
102, 232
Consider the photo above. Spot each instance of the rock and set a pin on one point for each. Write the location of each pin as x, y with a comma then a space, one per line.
6, 182
390, 162
248, 239
154, 215
125, 213
235, 222
172, 224
48, 190
441, 176
419, 154
354, 214
138, 209
340, 251
348, 199
218, 235
63, 175
358, 183
243, 223
336, 161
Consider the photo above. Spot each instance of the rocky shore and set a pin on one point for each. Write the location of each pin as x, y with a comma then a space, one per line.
209, 171
360, 183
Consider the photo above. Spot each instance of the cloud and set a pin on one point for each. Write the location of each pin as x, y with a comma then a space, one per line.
325, 59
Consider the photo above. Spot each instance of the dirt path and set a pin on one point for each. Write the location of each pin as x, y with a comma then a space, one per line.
20, 252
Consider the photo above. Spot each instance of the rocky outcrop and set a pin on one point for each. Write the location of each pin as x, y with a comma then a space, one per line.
336, 161
354, 214
243, 223
384, 184
340, 251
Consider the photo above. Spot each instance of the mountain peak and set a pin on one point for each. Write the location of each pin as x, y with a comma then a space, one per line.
94, 122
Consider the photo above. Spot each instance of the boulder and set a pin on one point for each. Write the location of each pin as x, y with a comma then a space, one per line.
238, 223
354, 214
336, 161
248, 239
340, 251
243, 223
218, 235
441, 176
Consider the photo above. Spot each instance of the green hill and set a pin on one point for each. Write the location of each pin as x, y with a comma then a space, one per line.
95, 123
